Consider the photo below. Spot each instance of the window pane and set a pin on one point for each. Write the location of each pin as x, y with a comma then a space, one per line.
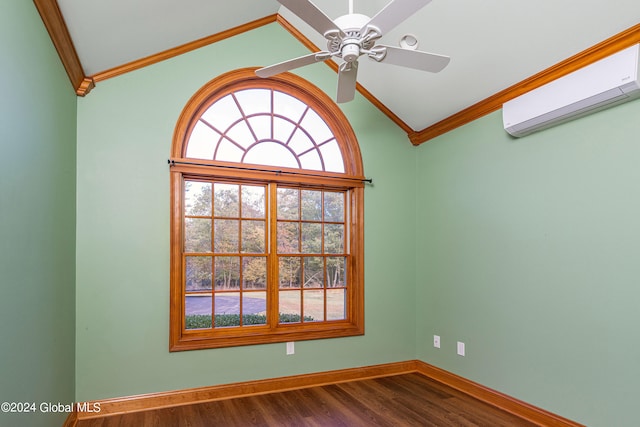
313, 272
197, 198
317, 127
261, 126
289, 306
253, 101
253, 201
332, 157
253, 236
254, 308
225, 200
336, 267
336, 304
197, 235
290, 270
227, 272
288, 203
202, 142
254, 273
311, 205
334, 238
288, 106
271, 154
197, 311
222, 113
311, 238
300, 142
313, 306
240, 133
288, 237
227, 309
226, 235
333, 206
228, 151
282, 129
198, 274
311, 161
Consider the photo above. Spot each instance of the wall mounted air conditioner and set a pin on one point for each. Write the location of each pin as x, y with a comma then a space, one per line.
610, 81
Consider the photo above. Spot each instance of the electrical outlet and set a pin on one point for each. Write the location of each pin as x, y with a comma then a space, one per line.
436, 341
461, 349
291, 349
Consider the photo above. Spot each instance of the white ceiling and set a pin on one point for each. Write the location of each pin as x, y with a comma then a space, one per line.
493, 43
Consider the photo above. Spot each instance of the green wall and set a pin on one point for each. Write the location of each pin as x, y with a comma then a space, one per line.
125, 127
525, 249
37, 218
528, 251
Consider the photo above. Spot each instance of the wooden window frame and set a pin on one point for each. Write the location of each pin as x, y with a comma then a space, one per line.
352, 180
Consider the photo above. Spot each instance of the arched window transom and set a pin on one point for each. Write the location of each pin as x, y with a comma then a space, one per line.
263, 126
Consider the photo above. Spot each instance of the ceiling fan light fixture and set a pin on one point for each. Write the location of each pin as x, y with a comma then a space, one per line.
350, 52
409, 41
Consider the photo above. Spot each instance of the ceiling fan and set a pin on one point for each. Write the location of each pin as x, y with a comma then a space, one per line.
353, 35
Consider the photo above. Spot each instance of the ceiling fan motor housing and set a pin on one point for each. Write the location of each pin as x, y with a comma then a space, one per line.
352, 22
349, 42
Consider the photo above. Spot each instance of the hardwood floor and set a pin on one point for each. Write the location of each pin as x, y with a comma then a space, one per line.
400, 400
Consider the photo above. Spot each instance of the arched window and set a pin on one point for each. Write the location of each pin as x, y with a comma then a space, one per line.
266, 216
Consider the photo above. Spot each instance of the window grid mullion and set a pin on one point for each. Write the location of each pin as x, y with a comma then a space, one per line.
215, 256
273, 279
239, 248
302, 258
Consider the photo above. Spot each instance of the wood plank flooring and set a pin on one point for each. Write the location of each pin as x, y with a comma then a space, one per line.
400, 400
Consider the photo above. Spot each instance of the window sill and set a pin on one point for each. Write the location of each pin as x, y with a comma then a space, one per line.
198, 340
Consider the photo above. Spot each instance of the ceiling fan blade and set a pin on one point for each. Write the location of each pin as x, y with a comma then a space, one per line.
310, 13
417, 59
301, 61
394, 13
347, 75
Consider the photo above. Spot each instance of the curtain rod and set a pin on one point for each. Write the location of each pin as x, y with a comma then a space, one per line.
244, 168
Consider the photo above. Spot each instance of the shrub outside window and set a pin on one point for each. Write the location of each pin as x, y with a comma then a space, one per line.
266, 216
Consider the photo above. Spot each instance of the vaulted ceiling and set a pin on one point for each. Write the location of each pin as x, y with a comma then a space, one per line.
498, 48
